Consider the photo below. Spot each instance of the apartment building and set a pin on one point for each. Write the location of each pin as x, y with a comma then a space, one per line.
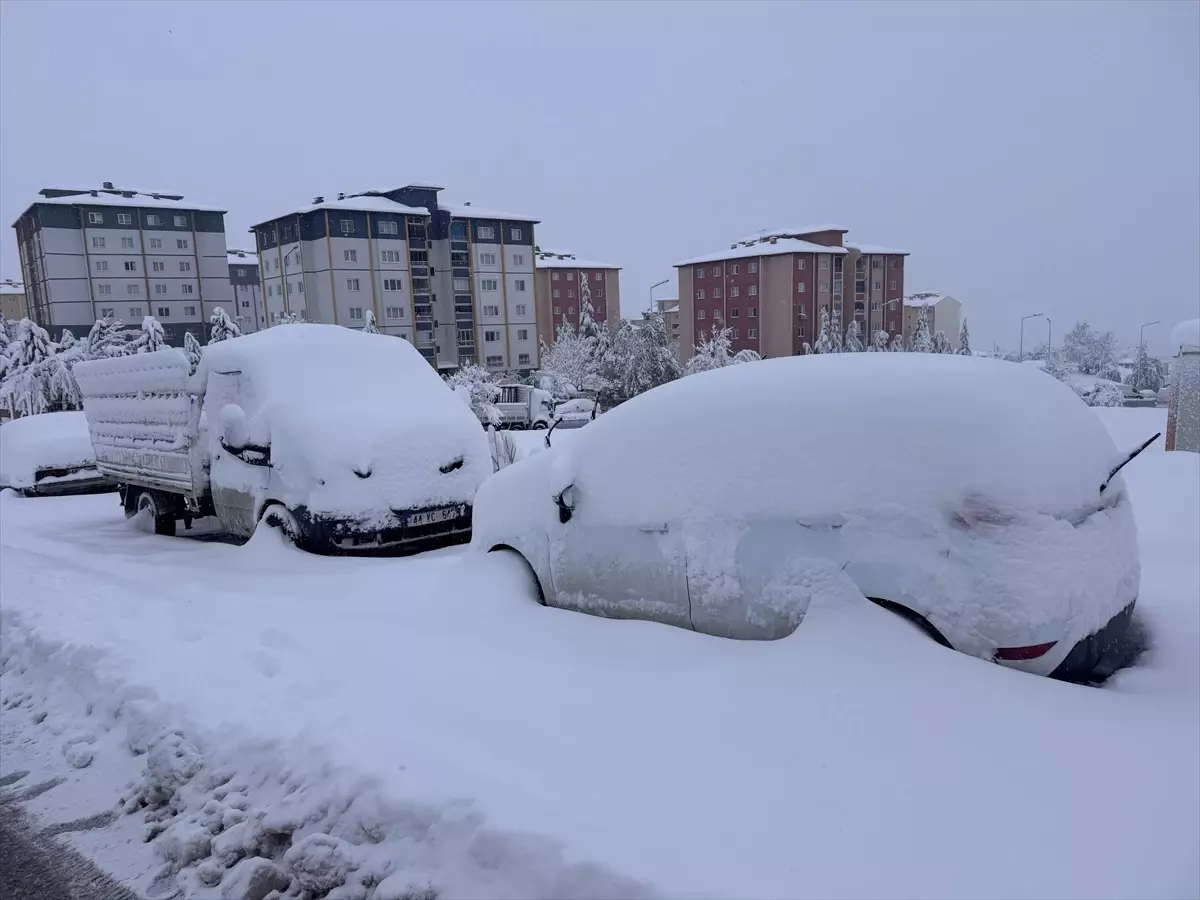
12, 300
945, 314
453, 278
769, 289
110, 252
245, 288
558, 289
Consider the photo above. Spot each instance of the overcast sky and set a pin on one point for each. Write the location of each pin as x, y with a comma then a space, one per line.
1033, 157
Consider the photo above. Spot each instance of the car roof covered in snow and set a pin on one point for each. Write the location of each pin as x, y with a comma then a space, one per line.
833, 433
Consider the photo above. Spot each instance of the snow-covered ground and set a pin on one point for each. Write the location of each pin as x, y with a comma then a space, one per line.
447, 730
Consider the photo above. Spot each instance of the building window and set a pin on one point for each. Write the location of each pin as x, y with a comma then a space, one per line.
554, 276
892, 325
824, 262
135, 311
522, 359
734, 334
270, 290
393, 284
557, 292
158, 266
570, 276
356, 314
491, 310
735, 291
716, 315
800, 264
491, 336
521, 307
716, 293
106, 289
799, 287
106, 312
153, 219
160, 289
127, 243
734, 313
245, 304
599, 295
599, 276
155, 243
824, 284
487, 259
893, 285
495, 360
752, 267
517, 234
133, 288
131, 265
877, 263
96, 218
752, 290
102, 265
347, 226
462, 285
485, 233
558, 310
716, 271
124, 219
300, 286
570, 293
189, 310
752, 313
489, 284
700, 313
735, 269
390, 256
186, 289
877, 285
895, 263
752, 333
699, 273
164, 312
350, 255
388, 228
352, 284
570, 310
519, 284
394, 312
97, 242
181, 243
518, 259
181, 221
522, 334
700, 294
185, 265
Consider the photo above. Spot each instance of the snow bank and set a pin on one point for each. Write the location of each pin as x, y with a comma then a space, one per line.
58, 439
358, 424
926, 432
1184, 335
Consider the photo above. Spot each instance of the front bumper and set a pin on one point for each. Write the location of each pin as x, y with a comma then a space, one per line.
395, 537
1094, 658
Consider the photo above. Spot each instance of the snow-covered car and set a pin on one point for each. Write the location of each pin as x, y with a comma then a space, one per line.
575, 413
49, 454
349, 442
973, 496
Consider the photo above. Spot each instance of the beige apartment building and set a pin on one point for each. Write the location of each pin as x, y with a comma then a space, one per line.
557, 288
945, 315
12, 300
769, 289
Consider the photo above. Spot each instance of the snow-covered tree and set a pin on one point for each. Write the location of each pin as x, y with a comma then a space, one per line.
107, 337
1056, 368
223, 327
287, 318
1101, 393
588, 328
897, 344
879, 342
823, 344
36, 379
151, 337
922, 341
569, 365
835, 329
479, 390
964, 340
715, 352
370, 327
192, 350
1091, 352
940, 343
634, 360
1146, 375
66, 340
853, 343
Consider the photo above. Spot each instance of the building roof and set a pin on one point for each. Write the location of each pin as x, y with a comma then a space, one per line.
242, 257
471, 211
780, 232
875, 248
762, 248
375, 203
101, 198
672, 309
552, 260
924, 298
10, 288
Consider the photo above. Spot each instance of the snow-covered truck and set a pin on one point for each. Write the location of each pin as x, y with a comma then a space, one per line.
345, 441
522, 406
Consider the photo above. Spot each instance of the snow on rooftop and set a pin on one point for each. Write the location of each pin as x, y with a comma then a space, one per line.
471, 211
8, 288
779, 232
923, 298
875, 248
763, 248
145, 201
569, 261
242, 258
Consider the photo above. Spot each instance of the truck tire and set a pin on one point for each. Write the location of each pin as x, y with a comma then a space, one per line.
539, 426
160, 506
276, 515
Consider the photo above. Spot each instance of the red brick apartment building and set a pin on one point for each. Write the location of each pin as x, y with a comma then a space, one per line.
557, 282
769, 289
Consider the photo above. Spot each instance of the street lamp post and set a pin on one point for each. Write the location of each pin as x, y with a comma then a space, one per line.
1142, 332
652, 287
1021, 351
1049, 337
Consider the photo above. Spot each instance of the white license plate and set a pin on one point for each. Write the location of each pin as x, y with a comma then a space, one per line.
433, 516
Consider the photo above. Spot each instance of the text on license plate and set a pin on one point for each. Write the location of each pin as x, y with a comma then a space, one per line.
433, 516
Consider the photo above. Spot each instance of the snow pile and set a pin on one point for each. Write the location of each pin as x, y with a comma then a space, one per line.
1185, 335
58, 440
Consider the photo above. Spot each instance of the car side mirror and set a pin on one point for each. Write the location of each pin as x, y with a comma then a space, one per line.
235, 435
565, 501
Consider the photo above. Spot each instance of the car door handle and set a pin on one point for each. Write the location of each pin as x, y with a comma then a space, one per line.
655, 529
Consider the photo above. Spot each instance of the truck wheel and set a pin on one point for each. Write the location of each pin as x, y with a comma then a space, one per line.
279, 516
160, 507
539, 426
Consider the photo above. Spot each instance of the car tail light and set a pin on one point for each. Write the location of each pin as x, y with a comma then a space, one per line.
1015, 654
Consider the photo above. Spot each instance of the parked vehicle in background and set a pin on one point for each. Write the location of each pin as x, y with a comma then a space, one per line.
49, 454
348, 442
995, 518
575, 413
522, 406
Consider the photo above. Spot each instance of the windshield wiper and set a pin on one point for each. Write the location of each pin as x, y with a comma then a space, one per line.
1127, 460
